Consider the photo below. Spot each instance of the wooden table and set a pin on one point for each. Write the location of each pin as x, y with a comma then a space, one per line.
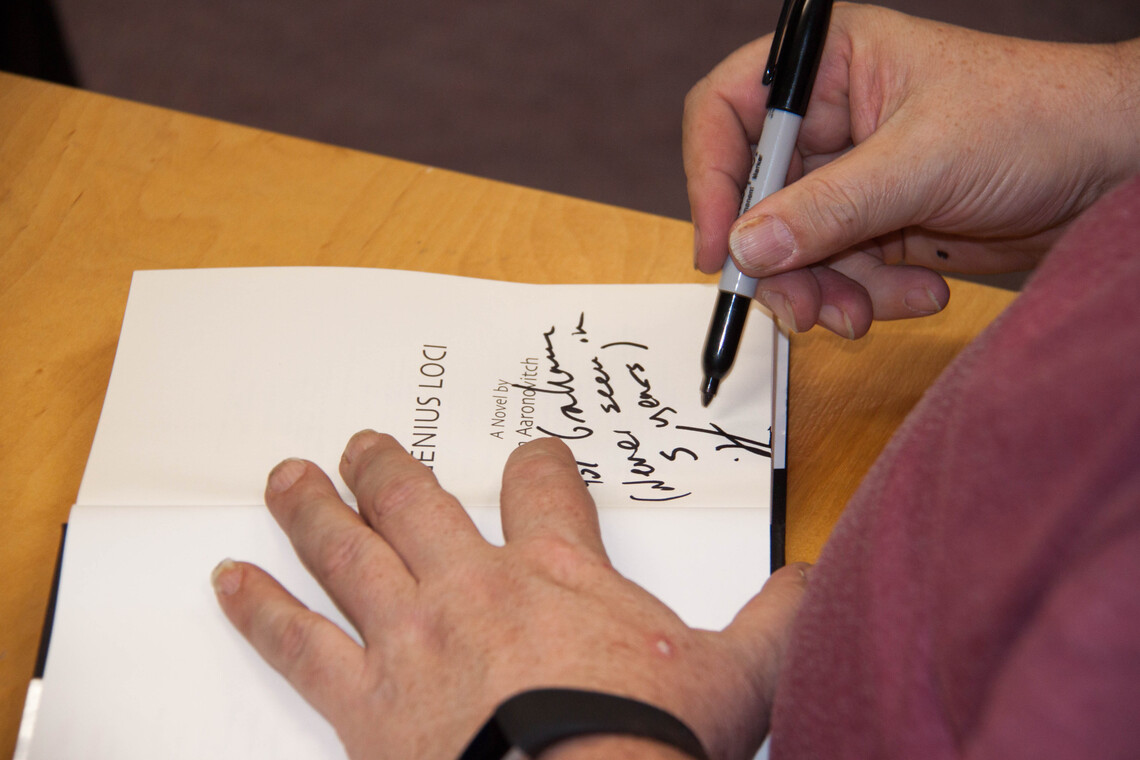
92, 188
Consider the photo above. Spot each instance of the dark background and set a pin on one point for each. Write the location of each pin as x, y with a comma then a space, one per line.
572, 96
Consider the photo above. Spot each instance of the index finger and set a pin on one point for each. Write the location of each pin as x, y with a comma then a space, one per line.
723, 116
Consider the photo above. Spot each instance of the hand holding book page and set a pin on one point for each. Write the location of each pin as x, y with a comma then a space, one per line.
220, 374
452, 626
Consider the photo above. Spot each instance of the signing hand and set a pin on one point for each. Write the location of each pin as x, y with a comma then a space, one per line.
923, 144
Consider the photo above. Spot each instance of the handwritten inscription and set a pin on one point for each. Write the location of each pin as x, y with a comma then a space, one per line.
642, 470
727, 440
605, 399
560, 382
602, 378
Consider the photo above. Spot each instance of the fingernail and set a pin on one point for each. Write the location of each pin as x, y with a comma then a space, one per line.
761, 244
696, 247
922, 301
358, 444
285, 475
778, 304
837, 321
226, 577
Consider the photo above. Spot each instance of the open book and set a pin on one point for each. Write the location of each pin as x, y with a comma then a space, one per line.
222, 373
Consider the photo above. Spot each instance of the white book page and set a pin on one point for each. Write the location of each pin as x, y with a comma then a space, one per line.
144, 665
222, 373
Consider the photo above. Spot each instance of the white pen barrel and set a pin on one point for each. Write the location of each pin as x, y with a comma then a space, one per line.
769, 171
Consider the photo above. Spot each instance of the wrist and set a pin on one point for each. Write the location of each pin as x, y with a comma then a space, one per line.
1079, 114
1121, 97
1101, 99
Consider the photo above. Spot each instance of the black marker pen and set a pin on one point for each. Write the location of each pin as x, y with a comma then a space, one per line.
790, 73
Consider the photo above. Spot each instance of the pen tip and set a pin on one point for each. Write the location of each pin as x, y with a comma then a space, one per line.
708, 390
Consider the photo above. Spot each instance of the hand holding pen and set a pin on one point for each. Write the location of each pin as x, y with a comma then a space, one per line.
793, 59
955, 151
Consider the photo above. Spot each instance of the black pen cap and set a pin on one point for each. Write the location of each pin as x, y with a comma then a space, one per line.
796, 50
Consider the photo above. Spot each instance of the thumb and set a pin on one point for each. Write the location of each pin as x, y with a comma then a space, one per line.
762, 629
867, 192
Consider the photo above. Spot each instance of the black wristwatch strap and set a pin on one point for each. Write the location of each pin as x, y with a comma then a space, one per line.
529, 722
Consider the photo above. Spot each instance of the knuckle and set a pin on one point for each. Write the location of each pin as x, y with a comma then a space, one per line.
696, 94
400, 490
481, 584
696, 112
836, 203
342, 552
421, 631
294, 640
564, 562
830, 215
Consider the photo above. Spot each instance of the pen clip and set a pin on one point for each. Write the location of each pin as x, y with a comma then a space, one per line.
797, 48
779, 39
